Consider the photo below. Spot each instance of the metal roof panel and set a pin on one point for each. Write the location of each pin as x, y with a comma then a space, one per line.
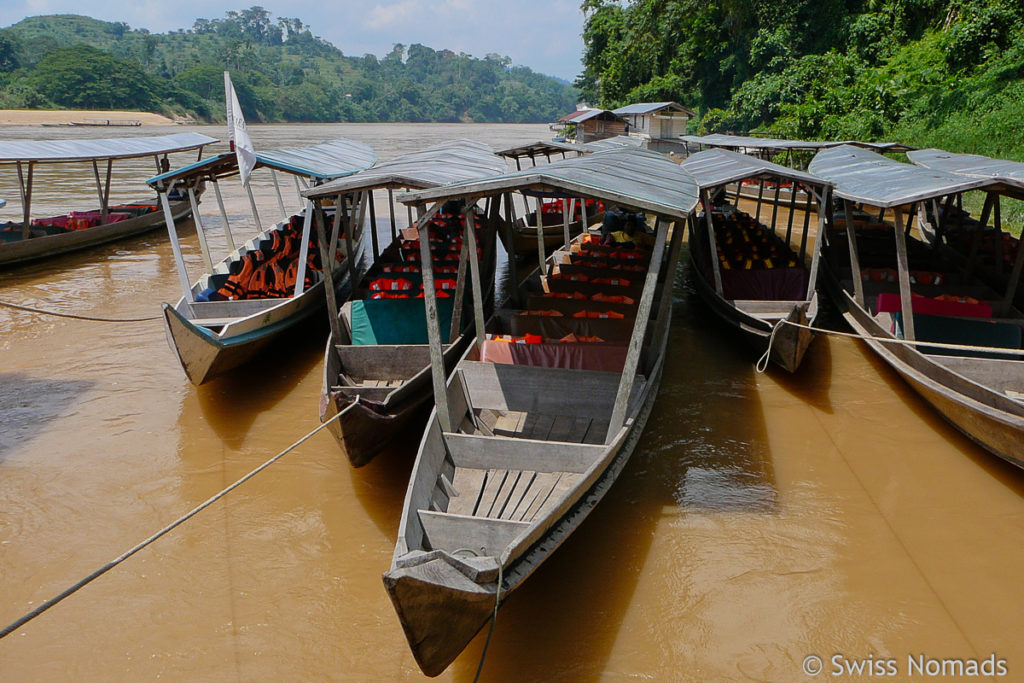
62, 151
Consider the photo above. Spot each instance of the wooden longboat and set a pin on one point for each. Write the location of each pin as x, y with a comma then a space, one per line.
756, 292
525, 439
977, 384
382, 383
211, 335
51, 237
987, 250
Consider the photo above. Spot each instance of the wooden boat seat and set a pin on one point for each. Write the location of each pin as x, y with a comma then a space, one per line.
515, 495
202, 312
450, 532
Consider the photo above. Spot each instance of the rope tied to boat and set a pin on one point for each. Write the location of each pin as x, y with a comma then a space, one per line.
74, 316
14, 626
762, 362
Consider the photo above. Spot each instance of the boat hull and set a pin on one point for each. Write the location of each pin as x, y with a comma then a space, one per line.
39, 248
204, 355
790, 343
994, 422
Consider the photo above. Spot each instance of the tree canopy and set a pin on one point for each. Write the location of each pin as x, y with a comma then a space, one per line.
282, 72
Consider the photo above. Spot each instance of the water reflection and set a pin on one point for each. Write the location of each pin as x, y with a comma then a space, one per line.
28, 406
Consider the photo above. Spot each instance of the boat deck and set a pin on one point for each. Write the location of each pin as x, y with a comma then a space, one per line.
537, 426
515, 495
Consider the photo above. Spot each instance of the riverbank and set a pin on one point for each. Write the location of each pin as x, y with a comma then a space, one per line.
29, 117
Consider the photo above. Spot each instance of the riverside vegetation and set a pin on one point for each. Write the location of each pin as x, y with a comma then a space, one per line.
928, 73
282, 72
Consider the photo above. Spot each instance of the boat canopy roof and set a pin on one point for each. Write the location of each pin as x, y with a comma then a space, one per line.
1010, 174
63, 151
863, 176
629, 177
320, 162
716, 167
769, 144
616, 142
539, 148
447, 162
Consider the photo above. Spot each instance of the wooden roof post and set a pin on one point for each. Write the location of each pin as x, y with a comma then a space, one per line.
760, 198
460, 293
280, 199
997, 223
437, 370
26, 200
172, 232
775, 203
326, 248
99, 190
807, 220
298, 189
565, 221
349, 227
373, 230
851, 238
223, 215
200, 232
664, 315
584, 222
972, 260
391, 210
716, 268
540, 236
906, 302
792, 208
506, 226
636, 340
1011, 286
469, 238
826, 198
307, 223
252, 207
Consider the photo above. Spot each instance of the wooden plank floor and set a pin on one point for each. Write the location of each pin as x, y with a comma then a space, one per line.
538, 426
516, 495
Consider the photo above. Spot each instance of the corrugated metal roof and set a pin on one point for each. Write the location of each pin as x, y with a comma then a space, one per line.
325, 161
629, 177
56, 151
973, 165
864, 176
747, 142
651, 107
716, 167
616, 142
593, 114
539, 148
441, 164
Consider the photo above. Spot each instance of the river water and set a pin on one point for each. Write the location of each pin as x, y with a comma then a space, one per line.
762, 518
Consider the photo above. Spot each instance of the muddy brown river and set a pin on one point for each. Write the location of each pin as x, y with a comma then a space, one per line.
764, 519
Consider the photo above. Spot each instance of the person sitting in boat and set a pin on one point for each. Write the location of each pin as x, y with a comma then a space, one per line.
633, 233
612, 221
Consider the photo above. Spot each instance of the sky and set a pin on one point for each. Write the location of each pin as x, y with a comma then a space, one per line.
544, 35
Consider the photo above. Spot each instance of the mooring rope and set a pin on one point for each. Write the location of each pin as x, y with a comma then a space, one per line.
74, 316
494, 620
167, 529
762, 362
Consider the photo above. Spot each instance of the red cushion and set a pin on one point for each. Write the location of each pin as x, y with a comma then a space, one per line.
889, 302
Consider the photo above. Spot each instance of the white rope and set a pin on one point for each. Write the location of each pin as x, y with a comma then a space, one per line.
763, 360
167, 529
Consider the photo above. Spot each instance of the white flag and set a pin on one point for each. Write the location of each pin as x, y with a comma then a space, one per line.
237, 132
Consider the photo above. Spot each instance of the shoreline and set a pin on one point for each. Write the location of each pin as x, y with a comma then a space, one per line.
38, 117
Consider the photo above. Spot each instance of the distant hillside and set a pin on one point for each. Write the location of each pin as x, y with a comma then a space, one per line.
282, 72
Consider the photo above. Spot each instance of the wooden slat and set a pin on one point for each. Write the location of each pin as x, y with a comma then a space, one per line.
469, 483
541, 484
579, 430
596, 432
565, 484
501, 497
542, 497
561, 427
537, 426
523, 485
509, 423
495, 480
